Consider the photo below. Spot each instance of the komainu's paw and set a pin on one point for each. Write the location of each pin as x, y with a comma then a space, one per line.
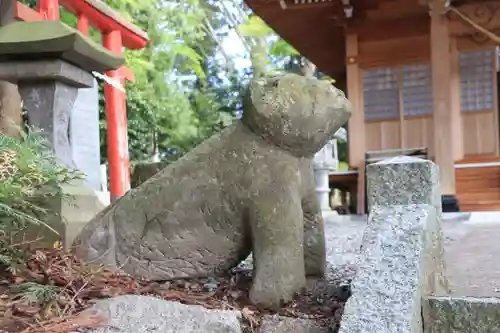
272, 293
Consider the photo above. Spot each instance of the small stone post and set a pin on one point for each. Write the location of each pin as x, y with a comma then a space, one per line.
402, 258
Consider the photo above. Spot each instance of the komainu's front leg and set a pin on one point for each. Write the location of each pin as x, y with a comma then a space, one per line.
314, 229
277, 238
314, 237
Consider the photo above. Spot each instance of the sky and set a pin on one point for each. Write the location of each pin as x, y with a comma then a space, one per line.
235, 49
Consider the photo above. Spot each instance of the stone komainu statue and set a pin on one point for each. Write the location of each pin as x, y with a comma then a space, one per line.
249, 188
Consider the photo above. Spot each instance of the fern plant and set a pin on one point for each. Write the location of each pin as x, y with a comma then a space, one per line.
30, 177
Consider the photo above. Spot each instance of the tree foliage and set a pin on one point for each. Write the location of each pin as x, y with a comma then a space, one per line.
189, 79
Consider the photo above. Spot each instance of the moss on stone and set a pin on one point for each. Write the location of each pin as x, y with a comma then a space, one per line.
249, 188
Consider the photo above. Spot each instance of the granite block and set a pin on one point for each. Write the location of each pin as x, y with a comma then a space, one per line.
394, 271
461, 315
405, 180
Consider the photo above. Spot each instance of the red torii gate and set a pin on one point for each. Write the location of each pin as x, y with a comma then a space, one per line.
116, 34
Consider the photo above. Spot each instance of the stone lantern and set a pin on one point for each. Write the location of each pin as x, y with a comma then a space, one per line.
52, 65
325, 161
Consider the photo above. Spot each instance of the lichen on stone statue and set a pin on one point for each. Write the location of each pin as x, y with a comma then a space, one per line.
248, 189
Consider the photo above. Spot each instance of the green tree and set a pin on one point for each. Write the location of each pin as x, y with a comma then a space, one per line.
165, 111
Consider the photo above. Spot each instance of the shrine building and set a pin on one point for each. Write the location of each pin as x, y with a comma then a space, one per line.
422, 76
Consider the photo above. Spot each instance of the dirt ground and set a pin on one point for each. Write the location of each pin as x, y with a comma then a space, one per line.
64, 287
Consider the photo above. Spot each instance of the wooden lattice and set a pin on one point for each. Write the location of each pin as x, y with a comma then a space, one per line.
476, 80
381, 94
417, 89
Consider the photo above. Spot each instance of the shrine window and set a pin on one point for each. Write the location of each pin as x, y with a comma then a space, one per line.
417, 89
381, 94
391, 91
477, 80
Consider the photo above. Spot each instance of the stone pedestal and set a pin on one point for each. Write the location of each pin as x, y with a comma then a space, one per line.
70, 216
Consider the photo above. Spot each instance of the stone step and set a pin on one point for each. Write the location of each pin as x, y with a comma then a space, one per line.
461, 315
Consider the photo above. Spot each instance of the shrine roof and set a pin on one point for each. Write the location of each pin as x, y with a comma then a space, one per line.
317, 28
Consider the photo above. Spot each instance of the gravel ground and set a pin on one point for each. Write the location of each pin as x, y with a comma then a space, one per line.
471, 252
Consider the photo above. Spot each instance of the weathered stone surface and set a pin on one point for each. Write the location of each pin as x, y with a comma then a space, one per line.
279, 324
392, 275
144, 171
461, 315
138, 314
11, 120
403, 180
84, 135
402, 257
407, 180
49, 106
68, 116
54, 39
251, 187
7, 12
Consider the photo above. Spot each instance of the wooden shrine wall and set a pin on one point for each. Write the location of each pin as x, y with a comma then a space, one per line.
397, 94
478, 101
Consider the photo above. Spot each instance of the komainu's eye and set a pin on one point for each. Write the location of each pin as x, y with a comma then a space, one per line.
275, 84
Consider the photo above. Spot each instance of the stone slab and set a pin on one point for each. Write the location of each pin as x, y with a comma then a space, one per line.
36, 70
84, 136
54, 39
461, 315
139, 314
395, 271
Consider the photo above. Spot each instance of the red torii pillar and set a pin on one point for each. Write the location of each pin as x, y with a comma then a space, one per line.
117, 33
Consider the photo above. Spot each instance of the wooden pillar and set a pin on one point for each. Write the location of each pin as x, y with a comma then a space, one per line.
446, 114
116, 118
356, 125
83, 24
458, 139
49, 8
